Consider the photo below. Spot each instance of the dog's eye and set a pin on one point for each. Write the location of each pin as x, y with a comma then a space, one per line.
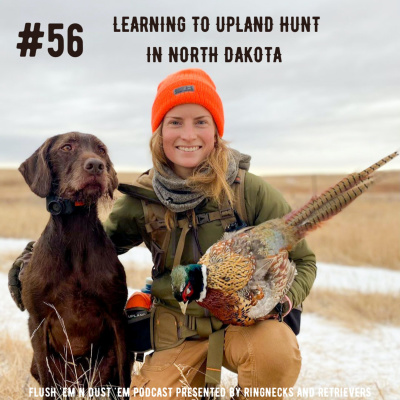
102, 150
66, 147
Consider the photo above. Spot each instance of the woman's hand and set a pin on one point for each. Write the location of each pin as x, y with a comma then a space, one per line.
14, 282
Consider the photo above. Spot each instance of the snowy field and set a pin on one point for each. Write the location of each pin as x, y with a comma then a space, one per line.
334, 357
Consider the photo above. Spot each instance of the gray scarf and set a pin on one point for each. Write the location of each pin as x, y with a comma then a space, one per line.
174, 193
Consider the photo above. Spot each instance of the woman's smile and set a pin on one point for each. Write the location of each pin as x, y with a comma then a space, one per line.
189, 149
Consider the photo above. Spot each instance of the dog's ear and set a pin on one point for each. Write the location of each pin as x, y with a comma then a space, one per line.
36, 170
112, 180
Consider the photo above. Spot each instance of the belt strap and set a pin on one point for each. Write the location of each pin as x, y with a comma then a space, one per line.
203, 327
206, 325
214, 358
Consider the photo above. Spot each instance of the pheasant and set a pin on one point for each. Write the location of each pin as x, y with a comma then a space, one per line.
243, 276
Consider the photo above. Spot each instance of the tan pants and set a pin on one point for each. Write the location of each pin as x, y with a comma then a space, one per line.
264, 355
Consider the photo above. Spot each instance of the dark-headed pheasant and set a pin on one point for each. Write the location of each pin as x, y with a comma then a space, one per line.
243, 276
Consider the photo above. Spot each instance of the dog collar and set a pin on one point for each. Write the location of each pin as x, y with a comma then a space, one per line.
56, 205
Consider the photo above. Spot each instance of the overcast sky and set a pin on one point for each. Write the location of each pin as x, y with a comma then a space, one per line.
331, 105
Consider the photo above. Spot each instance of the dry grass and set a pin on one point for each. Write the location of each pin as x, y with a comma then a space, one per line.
356, 311
22, 214
16, 382
366, 233
15, 361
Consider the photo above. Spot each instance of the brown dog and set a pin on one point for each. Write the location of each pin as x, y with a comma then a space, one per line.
74, 287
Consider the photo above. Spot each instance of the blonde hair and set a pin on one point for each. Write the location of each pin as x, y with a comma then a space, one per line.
209, 177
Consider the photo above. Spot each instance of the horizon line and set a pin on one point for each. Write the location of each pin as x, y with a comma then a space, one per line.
255, 170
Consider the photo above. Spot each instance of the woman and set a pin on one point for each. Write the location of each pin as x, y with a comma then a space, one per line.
193, 175
179, 209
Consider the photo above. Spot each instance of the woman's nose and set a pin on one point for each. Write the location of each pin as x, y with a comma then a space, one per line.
189, 133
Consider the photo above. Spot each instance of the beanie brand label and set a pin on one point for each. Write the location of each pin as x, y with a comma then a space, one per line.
183, 89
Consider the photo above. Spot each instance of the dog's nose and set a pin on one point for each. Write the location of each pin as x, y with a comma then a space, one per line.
94, 166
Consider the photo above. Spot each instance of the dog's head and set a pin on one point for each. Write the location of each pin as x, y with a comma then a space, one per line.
74, 166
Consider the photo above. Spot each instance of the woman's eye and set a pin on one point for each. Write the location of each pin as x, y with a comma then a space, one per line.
66, 147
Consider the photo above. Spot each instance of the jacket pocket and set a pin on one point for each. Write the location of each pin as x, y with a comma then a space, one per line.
165, 329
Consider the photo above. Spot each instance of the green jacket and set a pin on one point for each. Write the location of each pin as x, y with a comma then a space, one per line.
126, 228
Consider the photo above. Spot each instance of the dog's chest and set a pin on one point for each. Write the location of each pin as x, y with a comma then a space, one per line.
73, 277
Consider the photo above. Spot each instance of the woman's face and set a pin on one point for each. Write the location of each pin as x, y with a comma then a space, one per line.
188, 137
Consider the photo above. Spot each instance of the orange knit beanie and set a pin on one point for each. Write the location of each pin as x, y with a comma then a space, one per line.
187, 86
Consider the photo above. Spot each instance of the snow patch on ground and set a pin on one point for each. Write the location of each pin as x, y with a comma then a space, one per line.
334, 356
360, 279
13, 321
12, 245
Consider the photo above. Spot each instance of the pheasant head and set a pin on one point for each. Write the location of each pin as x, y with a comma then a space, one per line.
189, 283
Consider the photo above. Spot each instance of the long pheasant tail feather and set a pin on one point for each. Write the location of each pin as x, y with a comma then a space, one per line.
333, 200
347, 183
331, 208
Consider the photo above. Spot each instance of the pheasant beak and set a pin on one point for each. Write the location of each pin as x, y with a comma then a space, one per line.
183, 306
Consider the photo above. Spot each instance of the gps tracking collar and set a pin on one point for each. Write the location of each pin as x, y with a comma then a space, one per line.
56, 205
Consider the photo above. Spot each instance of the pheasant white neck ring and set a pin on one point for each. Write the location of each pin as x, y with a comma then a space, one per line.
204, 291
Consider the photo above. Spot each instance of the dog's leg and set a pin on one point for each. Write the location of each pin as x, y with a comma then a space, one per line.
124, 372
39, 368
34, 370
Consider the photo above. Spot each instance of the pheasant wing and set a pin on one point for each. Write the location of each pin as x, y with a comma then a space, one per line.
230, 267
